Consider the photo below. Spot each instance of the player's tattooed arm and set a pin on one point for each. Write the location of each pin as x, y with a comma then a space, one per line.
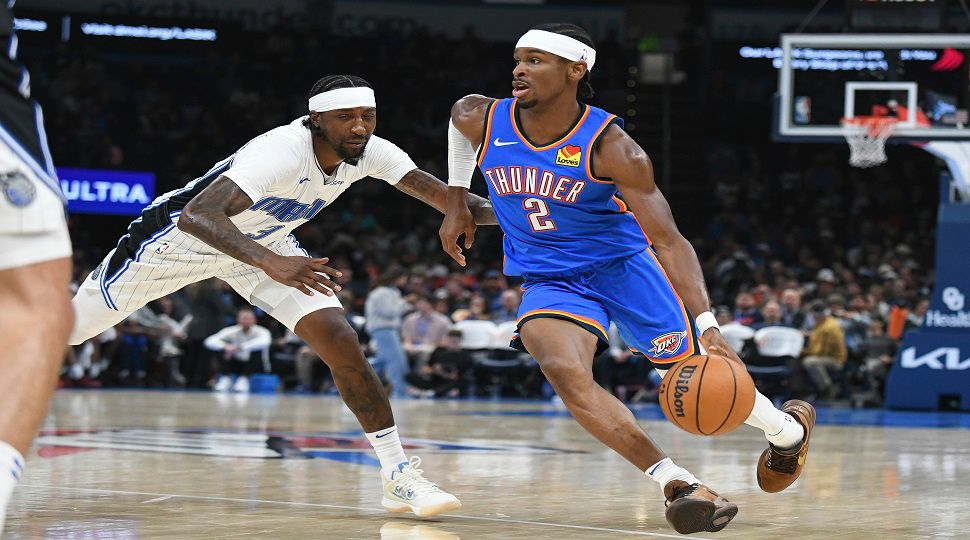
618, 157
434, 192
206, 217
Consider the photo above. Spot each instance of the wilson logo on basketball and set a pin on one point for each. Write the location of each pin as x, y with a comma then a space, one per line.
569, 155
681, 387
667, 343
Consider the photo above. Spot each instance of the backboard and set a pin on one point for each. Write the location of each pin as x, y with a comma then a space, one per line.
826, 77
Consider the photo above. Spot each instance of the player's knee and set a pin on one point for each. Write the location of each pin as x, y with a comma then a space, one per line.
561, 370
52, 312
342, 335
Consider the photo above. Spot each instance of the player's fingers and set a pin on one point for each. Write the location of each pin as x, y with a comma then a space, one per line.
301, 287
455, 252
325, 281
317, 286
470, 236
322, 279
324, 269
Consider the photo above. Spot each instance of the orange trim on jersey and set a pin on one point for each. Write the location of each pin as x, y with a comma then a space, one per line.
672, 360
623, 208
564, 138
683, 310
589, 149
567, 315
644, 231
488, 132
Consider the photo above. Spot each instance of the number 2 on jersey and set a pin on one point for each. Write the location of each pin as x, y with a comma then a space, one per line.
537, 215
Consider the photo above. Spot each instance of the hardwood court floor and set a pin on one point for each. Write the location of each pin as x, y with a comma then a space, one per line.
114, 464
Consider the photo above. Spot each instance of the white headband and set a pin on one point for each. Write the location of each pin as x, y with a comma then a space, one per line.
343, 98
559, 45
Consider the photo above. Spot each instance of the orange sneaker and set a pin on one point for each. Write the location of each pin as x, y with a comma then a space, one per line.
695, 507
777, 468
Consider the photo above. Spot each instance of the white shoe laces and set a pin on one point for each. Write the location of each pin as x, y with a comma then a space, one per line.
411, 479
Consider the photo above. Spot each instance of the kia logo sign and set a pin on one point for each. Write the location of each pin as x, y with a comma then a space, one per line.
940, 358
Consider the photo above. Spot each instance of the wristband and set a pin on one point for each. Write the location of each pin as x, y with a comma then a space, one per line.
705, 321
461, 158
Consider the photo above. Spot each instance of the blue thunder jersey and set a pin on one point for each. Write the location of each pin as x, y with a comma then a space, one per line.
556, 215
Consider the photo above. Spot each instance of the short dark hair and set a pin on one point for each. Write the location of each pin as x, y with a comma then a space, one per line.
584, 91
816, 306
332, 82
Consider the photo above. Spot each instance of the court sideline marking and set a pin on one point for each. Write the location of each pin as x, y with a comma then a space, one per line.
165, 496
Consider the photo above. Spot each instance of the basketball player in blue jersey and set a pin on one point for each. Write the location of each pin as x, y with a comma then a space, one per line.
575, 196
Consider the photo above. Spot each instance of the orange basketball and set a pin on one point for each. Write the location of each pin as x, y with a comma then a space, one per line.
707, 395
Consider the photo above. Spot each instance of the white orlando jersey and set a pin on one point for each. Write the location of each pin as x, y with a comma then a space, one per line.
280, 173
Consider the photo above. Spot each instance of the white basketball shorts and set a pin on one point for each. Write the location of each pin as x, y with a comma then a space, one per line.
32, 225
170, 259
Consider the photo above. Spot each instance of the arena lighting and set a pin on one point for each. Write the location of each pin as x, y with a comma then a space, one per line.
809, 59
29, 25
148, 32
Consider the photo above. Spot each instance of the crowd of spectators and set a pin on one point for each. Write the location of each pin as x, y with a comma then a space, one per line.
795, 237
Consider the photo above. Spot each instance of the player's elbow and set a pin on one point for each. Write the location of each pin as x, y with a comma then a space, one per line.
188, 220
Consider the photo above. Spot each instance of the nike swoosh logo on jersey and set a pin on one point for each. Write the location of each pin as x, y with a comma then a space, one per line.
503, 143
304, 180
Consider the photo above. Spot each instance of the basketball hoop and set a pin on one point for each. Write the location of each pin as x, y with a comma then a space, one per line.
867, 136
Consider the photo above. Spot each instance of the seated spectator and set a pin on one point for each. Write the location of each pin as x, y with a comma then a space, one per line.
879, 355
825, 352
792, 314
172, 336
478, 309
239, 344
448, 371
724, 315
492, 287
770, 315
424, 329
745, 310
508, 309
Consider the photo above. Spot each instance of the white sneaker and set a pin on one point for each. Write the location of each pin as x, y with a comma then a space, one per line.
223, 385
241, 385
409, 490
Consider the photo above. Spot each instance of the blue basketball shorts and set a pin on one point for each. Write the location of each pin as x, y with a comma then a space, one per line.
633, 292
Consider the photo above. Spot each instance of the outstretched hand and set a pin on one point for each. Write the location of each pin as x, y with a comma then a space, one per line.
303, 273
458, 221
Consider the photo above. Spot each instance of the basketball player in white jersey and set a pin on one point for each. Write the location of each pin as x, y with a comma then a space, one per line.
35, 266
234, 223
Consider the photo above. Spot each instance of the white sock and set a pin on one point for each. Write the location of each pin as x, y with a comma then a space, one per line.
387, 444
11, 469
780, 428
665, 470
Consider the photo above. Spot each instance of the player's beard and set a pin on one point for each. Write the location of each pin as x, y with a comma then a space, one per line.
348, 157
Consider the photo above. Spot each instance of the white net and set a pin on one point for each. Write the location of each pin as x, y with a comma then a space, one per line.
867, 136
